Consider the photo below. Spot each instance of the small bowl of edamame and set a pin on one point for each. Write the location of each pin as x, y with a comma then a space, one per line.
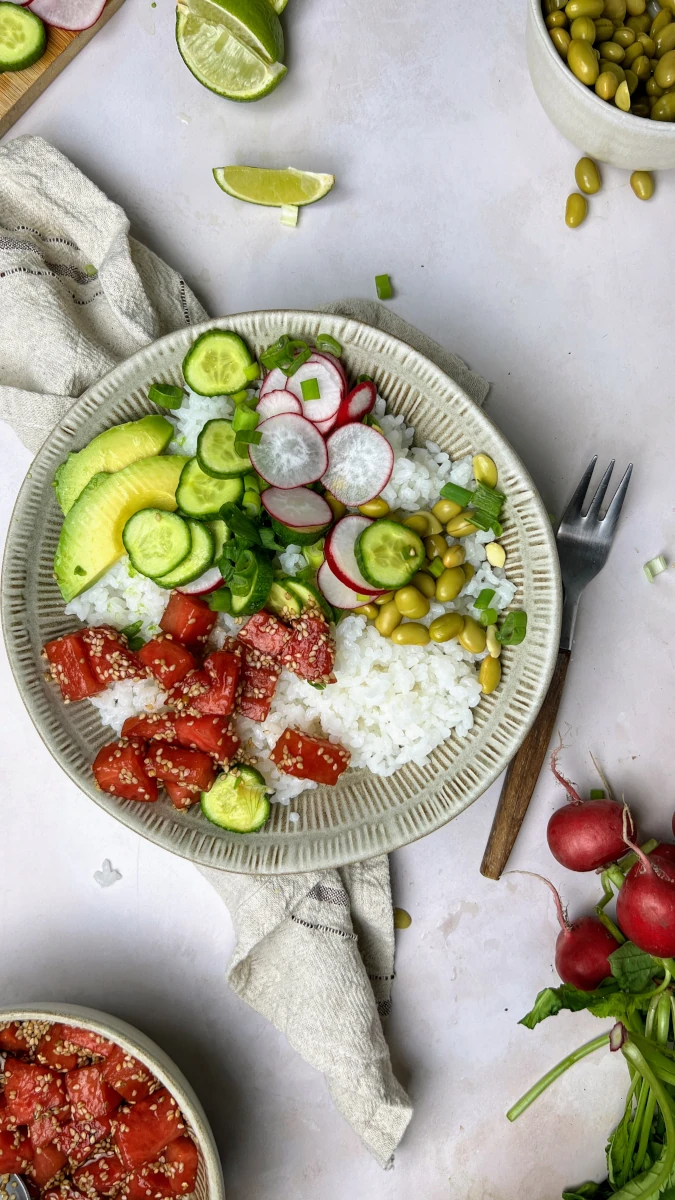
598, 128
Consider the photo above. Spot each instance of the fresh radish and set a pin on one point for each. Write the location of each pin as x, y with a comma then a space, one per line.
274, 381
340, 556
585, 834
278, 401
645, 906
68, 14
664, 850
298, 508
331, 388
360, 463
335, 591
334, 362
19, 3
582, 948
361, 400
291, 452
324, 427
208, 582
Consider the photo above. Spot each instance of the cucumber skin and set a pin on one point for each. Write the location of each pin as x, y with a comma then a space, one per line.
264, 800
173, 579
263, 580
194, 353
132, 553
208, 516
36, 53
293, 537
298, 588
362, 563
244, 469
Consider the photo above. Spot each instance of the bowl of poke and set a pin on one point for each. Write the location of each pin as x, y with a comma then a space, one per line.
278, 595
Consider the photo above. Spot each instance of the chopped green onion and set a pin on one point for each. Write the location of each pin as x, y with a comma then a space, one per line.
655, 566
267, 537
130, 631
272, 356
435, 567
483, 598
513, 630
320, 687
313, 554
297, 359
289, 215
262, 483
220, 600
252, 372
458, 495
371, 420
245, 418
310, 389
240, 397
166, 395
135, 643
384, 288
251, 483
248, 437
488, 500
364, 379
328, 344
489, 616
250, 502
597, 793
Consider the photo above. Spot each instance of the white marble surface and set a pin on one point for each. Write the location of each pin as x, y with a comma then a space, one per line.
451, 179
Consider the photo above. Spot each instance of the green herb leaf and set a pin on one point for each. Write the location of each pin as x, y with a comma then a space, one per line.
320, 687
220, 600
135, 643
240, 525
268, 539
589, 1191
130, 631
632, 968
551, 1001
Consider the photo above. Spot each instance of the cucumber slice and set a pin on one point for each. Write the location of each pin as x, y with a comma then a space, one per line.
389, 554
201, 496
238, 800
23, 38
216, 451
221, 534
297, 537
156, 541
282, 601
251, 587
310, 597
216, 365
198, 560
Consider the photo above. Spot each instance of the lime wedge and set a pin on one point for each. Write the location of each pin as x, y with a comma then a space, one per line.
278, 5
254, 23
223, 64
274, 188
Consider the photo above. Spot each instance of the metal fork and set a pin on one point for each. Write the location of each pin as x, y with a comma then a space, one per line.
584, 541
12, 1187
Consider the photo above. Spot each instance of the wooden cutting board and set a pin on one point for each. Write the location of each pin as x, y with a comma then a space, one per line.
18, 89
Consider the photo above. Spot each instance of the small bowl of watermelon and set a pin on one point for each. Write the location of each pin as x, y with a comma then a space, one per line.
92, 1109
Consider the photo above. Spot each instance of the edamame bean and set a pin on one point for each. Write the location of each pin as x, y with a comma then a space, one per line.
614, 9
368, 610
411, 635
485, 470
445, 510
635, 7
402, 919
623, 37
461, 526
584, 8
556, 20
493, 644
426, 584
586, 172
631, 54
642, 184
614, 68
622, 97
611, 51
584, 28
665, 70
561, 40
668, 4
374, 508
433, 523
660, 21
337, 508
641, 67
582, 61
384, 599
454, 556
495, 554
550, 6
664, 109
469, 571
388, 619
641, 24
411, 603
473, 637
652, 88
489, 674
665, 40
418, 522
603, 30
450, 584
435, 546
444, 628
605, 87
576, 209
648, 44
631, 80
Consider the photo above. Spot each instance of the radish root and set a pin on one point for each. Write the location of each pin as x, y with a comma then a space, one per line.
628, 823
603, 778
562, 915
572, 795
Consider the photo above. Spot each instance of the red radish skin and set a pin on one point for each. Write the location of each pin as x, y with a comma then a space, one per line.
274, 381
275, 402
582, 948
361, 400
664, 850
585, 835
335, 591
340, 556
645, 906
334, 362
210, 581
297, 508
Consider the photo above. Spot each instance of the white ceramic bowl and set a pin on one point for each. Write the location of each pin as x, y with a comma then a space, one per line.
210, 1184
594, 126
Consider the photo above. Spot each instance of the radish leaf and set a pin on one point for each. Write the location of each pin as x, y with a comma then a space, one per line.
632, 968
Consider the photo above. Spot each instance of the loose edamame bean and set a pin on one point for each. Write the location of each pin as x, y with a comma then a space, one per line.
665, 40
489, 674
584, 28
426, 584
450, 625
614, 9
603, 30
402, 919
368, 610
337, 508
642, 184
623, 37
614, 68
660, 21
411, 603
632, 52
411, 635
374, 508
611, 51
445, 510
576, 209
494, 646
648, 44
473, 637
495, 554
664, 109
635, 7
586, 172
550, 6
631, 80
556, 20
669, 4
641, 67
605, 87
641, 24
454, 556
561, 40
435, 546
384, 599
665, 70
388, 619
622, 97
450, 584
584, 8
469, 571
485, 470
433, 523
652, 88
582, 61
461, 526
418, 523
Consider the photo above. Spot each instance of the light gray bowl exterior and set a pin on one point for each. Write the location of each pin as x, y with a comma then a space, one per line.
363, 814
594, 126
210, 1184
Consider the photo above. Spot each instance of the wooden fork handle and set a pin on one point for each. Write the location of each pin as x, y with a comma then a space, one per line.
522, 775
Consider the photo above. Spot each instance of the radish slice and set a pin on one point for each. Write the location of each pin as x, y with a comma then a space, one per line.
360, 463
331, 388
324, 427
68, 14
274, 381
208, 582
278, 401
361, 400
291, 452
297, 508
339, 551
335, 592
334, 362
19, 3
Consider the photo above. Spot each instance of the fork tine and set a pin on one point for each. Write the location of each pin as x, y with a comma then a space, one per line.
596, 503
576, 503
612, 515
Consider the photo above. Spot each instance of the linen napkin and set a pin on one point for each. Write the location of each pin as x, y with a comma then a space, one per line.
314, 952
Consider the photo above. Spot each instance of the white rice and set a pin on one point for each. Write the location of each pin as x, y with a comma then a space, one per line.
391, 704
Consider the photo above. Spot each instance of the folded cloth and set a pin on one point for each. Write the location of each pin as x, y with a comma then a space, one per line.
314, 952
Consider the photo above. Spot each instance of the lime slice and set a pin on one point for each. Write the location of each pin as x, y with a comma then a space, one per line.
254, 23
258, 185
223, 64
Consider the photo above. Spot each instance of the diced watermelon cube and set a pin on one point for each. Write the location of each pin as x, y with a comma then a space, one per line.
191, 769
158, 727
8, 1121
46, 1129
180, 796
148, 1183
146, 1129
308, 757
16, 1153
188, 619
183, 696
224, 669
92, 1043
12, 1038
213, 735
31, 1090
127, 1075
47, 1162
183, 1157
167, 659
62, 1191
69, 665
265, 633
119, 769
55, 1050
89, 1094
78, 1139
310, 653
259, 676
110, 658
100, 1176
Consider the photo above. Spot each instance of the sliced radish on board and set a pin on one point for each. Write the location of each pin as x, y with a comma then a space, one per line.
68, 14
274, 381
340, 556
335, 591
360, 463
291, 452
361, 400
331, 388
278, 401
208, 582
298, 508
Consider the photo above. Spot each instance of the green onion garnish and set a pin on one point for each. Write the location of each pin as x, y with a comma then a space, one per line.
489, 616
130, 631
483, 598
313, 554
655, 566
371, 420
289, 215
310, 389
384, 288
248, 437
267, 537
240, 397
166, 395
272, 356
364, 379
245, 418
488, 500
252, 372
513, 630
250, 502
597, 793
220, 600
458, 495
298, 353
251, 483
484, 521
328, 344
435, 567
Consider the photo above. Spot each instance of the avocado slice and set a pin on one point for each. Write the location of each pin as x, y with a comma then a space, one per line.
282, 602
91, 536
310, 597
112, 450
